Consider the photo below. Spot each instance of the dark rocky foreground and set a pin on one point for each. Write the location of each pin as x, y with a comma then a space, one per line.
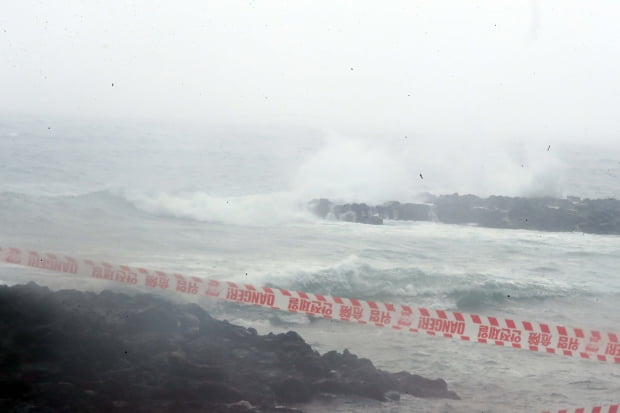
70, 351
596, 216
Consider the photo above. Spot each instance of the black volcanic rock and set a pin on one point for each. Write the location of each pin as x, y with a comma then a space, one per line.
361, 213
71, 351
597, 216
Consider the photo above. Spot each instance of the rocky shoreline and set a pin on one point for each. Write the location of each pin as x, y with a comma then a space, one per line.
595, 216
68, 351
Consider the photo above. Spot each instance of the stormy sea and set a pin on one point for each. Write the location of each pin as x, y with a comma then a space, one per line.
239, 204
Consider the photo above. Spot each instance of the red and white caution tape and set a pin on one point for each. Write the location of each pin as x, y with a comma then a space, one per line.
614, 408
552, 339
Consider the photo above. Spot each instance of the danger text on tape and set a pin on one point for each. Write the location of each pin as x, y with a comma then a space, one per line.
533, 336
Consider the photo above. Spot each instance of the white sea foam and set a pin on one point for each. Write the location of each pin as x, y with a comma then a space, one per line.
350, 169
253, 210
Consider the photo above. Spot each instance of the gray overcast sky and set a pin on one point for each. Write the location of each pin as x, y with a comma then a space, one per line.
497, 68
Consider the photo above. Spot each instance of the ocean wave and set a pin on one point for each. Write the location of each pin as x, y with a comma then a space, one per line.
88, 204
348, 169
354, 278
248, 210
497, 294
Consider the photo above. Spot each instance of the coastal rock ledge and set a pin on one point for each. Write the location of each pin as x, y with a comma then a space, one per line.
70, 351
594, 216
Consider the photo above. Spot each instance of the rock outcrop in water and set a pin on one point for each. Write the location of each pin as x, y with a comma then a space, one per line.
597, 216
71, 351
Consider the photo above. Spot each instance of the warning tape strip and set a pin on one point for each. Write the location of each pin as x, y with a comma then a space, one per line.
552, 339
614, 408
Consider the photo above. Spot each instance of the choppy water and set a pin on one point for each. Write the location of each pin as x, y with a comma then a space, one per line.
230, 205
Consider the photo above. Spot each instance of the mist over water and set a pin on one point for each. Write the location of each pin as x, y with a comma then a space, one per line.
400, 168
266, 176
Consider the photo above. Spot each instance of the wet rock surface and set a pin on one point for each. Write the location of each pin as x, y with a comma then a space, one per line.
70, 351
596, 216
